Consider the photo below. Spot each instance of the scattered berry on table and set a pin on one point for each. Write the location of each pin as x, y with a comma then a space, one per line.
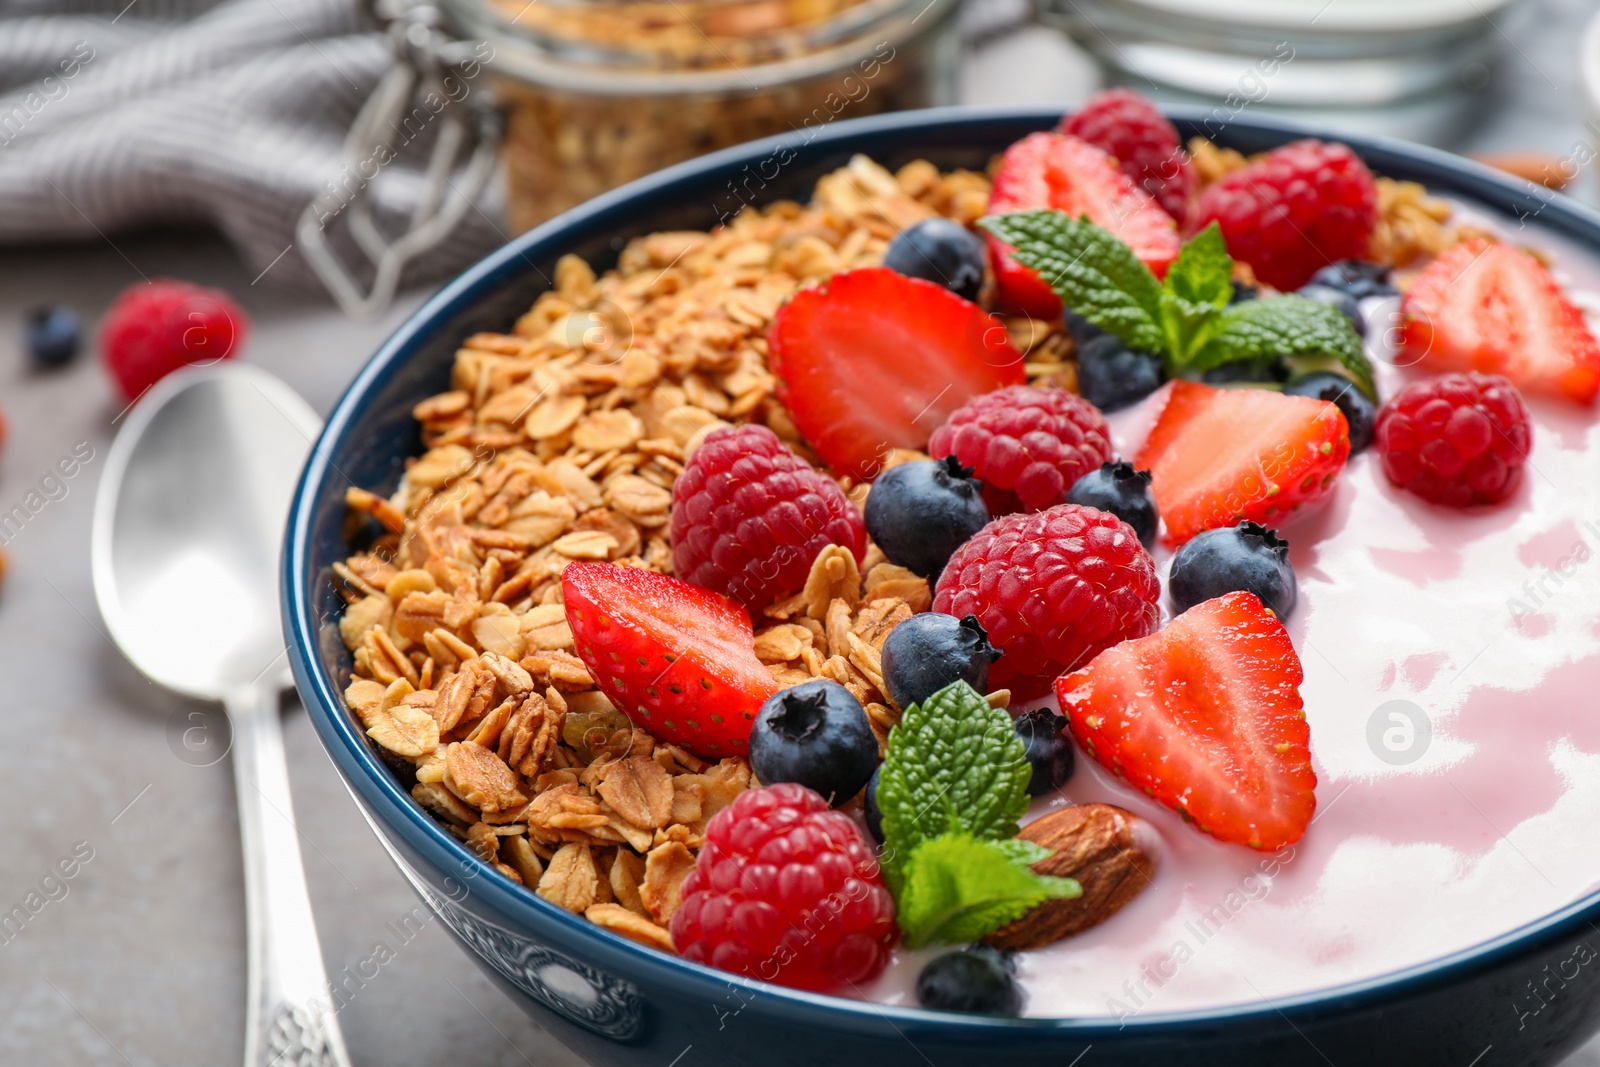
870, 810
1112, 376
1293, 211
1494, 308
1458, 439
1211, 451
749, 517
1052, 589
52, 336
815, 734
677, 659
931, 650
1051, 170
1256, 371
1123, 123
1357, 277
1337, 298
156, 327
1205, 717
979, 980
786, 891
869, 361
918, 513
1245, 558
1044, 739
1027, 444
1124, 492
941, 251
1359, 412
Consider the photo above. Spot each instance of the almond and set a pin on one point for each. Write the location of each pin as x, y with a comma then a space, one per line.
1100, 846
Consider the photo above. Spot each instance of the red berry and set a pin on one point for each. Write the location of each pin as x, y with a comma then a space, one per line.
1492, 307
1027, 445
870, 361
1205, 717
1049, 170
1220, 456
1460, 439
156, 327
1052, 589
1123, 123
678, 660
1298, 208
749, 517
786, 891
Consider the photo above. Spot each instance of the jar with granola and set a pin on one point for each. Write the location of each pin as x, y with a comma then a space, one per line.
599, 92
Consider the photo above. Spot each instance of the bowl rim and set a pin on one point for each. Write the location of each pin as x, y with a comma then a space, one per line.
390, 806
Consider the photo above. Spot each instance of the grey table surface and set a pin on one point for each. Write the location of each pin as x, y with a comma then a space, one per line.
138, 958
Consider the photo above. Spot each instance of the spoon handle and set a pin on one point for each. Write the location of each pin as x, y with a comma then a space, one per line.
290, 1015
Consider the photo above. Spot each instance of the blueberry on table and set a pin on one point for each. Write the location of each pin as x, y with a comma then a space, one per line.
1340, 299
1124, 492
1049, 752
1247, 557
870, 809
816, 735
930, 651
979, 980
1356, 277
52, 336
1111, 375
919, 513
1337, 389
941, 251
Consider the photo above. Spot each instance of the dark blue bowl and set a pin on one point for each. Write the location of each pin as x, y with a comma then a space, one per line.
1528, 994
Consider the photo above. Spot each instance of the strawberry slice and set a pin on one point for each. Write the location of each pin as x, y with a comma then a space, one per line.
870, 361
678, 660
1494, 308
1220, 456
1205, 716
1052, 170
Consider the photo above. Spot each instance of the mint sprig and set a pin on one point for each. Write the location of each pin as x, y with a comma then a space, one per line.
958, 888
1186, 319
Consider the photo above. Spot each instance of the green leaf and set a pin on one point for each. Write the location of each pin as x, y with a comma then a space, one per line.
955, 765
959, 889
1197, 288
1093, 273
1310, 335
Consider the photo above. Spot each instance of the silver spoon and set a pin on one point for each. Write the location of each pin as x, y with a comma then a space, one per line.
188, 527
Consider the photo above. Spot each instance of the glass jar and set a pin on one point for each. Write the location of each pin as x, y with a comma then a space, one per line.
599, 92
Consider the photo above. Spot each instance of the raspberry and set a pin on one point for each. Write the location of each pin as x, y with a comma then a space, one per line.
749, 517
1026, 444
156, 327
1053, 589
1293, 211
1125, 125
1459, 439
787, 891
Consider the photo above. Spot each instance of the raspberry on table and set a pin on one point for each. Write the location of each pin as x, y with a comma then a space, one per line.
1127, 126
1294, 210
156, 327
787, 891
1052, 589
1027, 444
749, 517
1459, 439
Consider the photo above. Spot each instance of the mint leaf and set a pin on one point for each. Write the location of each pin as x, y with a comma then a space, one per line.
959, 889
1310, 334
1197, 288
955, 765
1092, 272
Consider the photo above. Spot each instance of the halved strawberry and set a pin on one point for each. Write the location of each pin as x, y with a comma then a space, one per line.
1494, 308
1220, 456
1052, 170
1205, 716
870, 361
678, 660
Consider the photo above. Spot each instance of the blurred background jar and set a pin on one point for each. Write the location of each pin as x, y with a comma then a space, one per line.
599, 92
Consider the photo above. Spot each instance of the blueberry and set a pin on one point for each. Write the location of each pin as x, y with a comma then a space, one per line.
1357, 277
1111, 375
1337, 298
52, 336
921, 512
1358, 410
817, 735
930, 651
870, 809
1123, 491
1243, 292
979, 980
941, 251
1246, 557
1270, 370
1044, 739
